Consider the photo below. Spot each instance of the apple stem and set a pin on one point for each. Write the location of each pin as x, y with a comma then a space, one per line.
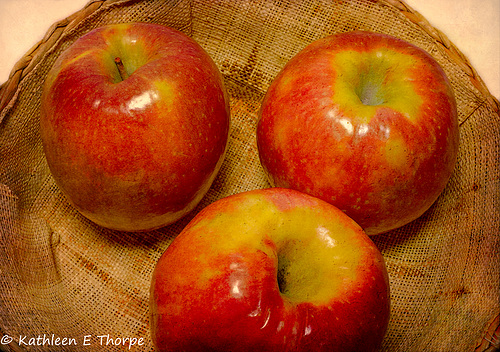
121, 68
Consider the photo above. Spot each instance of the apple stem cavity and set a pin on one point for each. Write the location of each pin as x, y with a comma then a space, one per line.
369, 89
121, 68
281, 279
369, 94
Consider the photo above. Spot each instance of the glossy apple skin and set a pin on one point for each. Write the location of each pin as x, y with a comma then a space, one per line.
134, 153
364, 121
216, 287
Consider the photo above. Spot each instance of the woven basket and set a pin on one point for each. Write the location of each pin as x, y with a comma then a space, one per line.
63, 276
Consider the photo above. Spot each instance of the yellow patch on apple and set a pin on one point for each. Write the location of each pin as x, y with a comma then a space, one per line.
372, 80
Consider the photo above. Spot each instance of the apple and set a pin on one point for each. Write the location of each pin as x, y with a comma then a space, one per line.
364, 121
134, 125
270, 270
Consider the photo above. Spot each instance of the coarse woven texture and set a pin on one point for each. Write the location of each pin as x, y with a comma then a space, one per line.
61, 274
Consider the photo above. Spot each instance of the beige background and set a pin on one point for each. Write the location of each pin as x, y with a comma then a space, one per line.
473, 26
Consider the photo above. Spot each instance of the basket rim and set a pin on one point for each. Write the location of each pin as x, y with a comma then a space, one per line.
27, 63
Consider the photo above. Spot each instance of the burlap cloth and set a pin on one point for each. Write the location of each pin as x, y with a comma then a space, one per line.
63, 276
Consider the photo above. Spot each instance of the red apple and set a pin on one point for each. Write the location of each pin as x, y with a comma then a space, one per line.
134, 125
364, 121
270, 270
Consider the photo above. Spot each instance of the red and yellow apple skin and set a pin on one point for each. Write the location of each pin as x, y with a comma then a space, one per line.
364, 121
270, 270
135, 150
